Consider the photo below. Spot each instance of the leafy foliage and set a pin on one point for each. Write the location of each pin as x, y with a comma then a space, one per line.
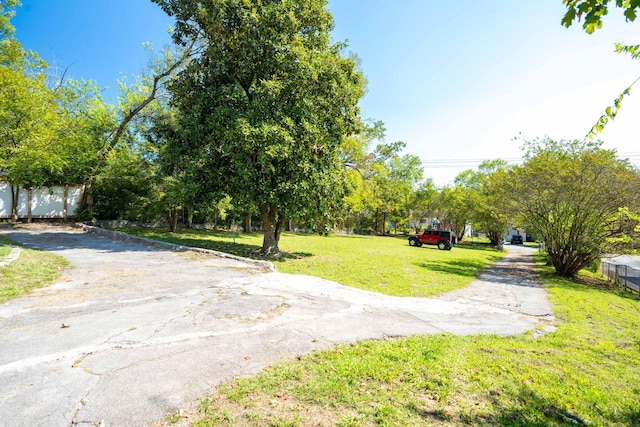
264, 107
570, 193
611, 111
483, 205
594, 11
34, 142
30, 128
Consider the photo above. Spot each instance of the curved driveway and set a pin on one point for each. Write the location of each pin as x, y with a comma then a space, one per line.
131, 332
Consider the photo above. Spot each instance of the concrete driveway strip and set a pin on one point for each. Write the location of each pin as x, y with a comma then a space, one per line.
133, 332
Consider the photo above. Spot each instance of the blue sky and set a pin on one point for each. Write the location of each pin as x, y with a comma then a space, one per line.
456, 81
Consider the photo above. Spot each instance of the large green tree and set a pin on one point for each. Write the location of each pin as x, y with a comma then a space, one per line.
117, 127
32, 117
265, 105
571, 193
425, 203
484, 211
404, 177
455, 210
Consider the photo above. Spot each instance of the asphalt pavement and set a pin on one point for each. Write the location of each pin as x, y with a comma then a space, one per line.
132, 332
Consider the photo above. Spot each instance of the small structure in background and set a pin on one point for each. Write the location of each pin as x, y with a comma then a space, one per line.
516, 236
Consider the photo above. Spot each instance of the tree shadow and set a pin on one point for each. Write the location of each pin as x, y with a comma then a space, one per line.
232, 243
438, 416
523, 407
234, 247
462, 268
55, 241
594, 283
476, 246
117, 242
285, 256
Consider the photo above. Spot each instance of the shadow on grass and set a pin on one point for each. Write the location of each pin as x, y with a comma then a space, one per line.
524, 408
461, 268
435, 415
529, 409
301, 234
586, 284
284, 256
476, 246
202, 239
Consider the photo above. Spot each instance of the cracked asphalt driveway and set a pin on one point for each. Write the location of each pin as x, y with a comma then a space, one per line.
132, 332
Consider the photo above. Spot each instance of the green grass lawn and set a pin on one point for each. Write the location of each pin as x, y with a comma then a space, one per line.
381, 264
586, 373
33, 269
5, 248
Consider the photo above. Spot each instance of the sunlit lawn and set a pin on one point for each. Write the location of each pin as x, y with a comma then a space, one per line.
33, 269
381, 264
586, 373
5, 247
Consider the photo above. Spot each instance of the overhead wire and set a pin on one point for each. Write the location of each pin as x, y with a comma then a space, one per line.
633, 157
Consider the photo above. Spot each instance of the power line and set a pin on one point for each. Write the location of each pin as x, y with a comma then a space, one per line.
633, 157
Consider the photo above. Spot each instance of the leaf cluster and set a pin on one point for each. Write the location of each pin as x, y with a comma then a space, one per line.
570, 193
593, 11
263, 109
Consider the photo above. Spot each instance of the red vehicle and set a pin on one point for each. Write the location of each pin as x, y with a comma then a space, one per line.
444, 239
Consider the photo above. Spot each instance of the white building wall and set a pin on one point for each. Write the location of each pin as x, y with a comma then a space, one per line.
45, 202
5, 200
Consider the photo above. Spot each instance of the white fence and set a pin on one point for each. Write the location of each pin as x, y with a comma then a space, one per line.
53, 202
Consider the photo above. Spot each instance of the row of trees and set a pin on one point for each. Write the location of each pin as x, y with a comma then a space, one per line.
59, 131
253, 115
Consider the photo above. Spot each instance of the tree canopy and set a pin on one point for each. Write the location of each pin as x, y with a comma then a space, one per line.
32, 115
263, 109
571, 194
482, 206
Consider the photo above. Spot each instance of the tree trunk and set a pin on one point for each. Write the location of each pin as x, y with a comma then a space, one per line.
189, 219
65, 202
172, 216
496, 239
15, 194
29, 194
247, 222
375, 223
86, 199
272, 222
384, 223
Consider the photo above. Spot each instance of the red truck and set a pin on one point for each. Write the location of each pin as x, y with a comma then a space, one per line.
444, 239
